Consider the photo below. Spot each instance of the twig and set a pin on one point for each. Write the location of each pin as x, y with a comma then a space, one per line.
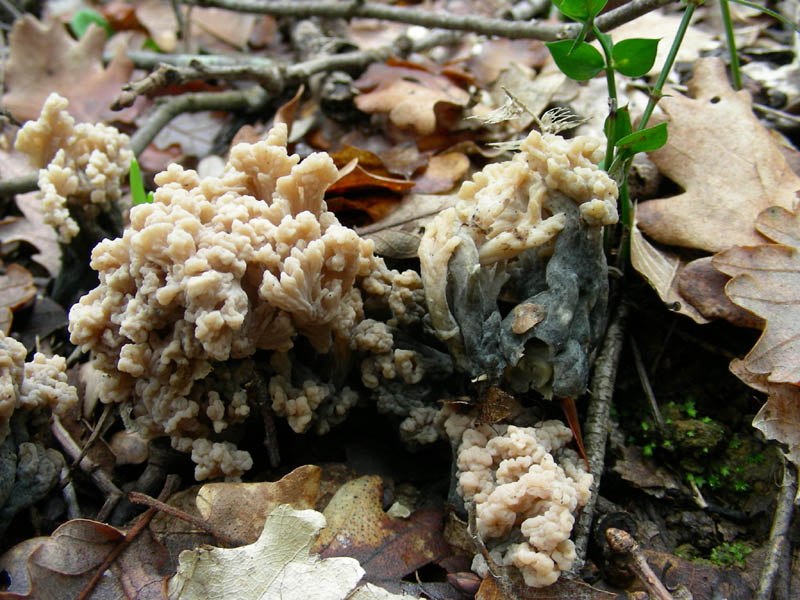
183, 516
249, 100
88, 466
95, 433
476, 23
183, 32
621, 542
11, 9
169, 487
596, 425
778, 535
68, 493
780, 114
648, 389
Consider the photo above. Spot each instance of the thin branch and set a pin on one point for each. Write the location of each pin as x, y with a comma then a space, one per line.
646, 386
622, 543
249, 100
779, 534
19, 185
476, 23
596, 424
139, 498
169, 488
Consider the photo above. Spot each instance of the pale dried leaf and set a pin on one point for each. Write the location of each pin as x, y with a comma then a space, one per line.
278, 565
779, 417
45, 59
765, 280
727, 162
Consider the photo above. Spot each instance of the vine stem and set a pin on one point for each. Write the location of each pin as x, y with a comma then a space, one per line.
656, 93
725, 11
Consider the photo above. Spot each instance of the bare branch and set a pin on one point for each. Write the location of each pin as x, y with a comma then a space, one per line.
536, 30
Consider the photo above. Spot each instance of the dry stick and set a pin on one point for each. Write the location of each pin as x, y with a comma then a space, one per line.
621, 542
170, 485
645, 381
154, 504
93, 437
778, 536
412, 16
87, 465
596, 425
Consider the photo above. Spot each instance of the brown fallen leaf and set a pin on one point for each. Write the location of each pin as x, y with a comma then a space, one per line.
240, 509
766, 281
442, 173
60, 567
724, 159
33, 230
388, 549
779, 417
16, 290
413, 98
44, 59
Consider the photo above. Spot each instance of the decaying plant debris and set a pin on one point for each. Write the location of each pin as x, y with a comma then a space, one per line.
369, 308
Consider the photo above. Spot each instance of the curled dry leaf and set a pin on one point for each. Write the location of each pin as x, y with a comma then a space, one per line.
16, 290
60, 567
661, 270
412, 97
766, 281
44, 58
725, 160
33, 230
704, 287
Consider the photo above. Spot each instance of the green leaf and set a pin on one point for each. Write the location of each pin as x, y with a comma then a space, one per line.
621, 125
645, 140
81, 20
150, 44
634, 57
580, 10
137, 187
583, 63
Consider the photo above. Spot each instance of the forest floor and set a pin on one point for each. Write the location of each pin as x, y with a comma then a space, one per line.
694, 344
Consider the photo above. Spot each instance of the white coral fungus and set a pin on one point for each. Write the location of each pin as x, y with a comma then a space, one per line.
216, 269
519, 488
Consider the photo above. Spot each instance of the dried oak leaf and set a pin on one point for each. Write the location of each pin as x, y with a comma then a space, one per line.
388, 549
280, 564
724, 159
766, 281
44, 59
60, 567
32, 229
779, 417
413, 98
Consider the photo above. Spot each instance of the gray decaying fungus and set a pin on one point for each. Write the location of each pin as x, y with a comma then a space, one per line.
530, 228
28, 392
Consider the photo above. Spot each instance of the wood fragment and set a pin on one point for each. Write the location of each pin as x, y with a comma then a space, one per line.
623, 543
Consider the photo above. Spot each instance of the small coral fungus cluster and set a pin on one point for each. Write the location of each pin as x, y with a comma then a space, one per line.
222, 298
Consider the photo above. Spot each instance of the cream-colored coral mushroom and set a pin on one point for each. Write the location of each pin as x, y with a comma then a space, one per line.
212, 271
80, 166
39, 384
517, 486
